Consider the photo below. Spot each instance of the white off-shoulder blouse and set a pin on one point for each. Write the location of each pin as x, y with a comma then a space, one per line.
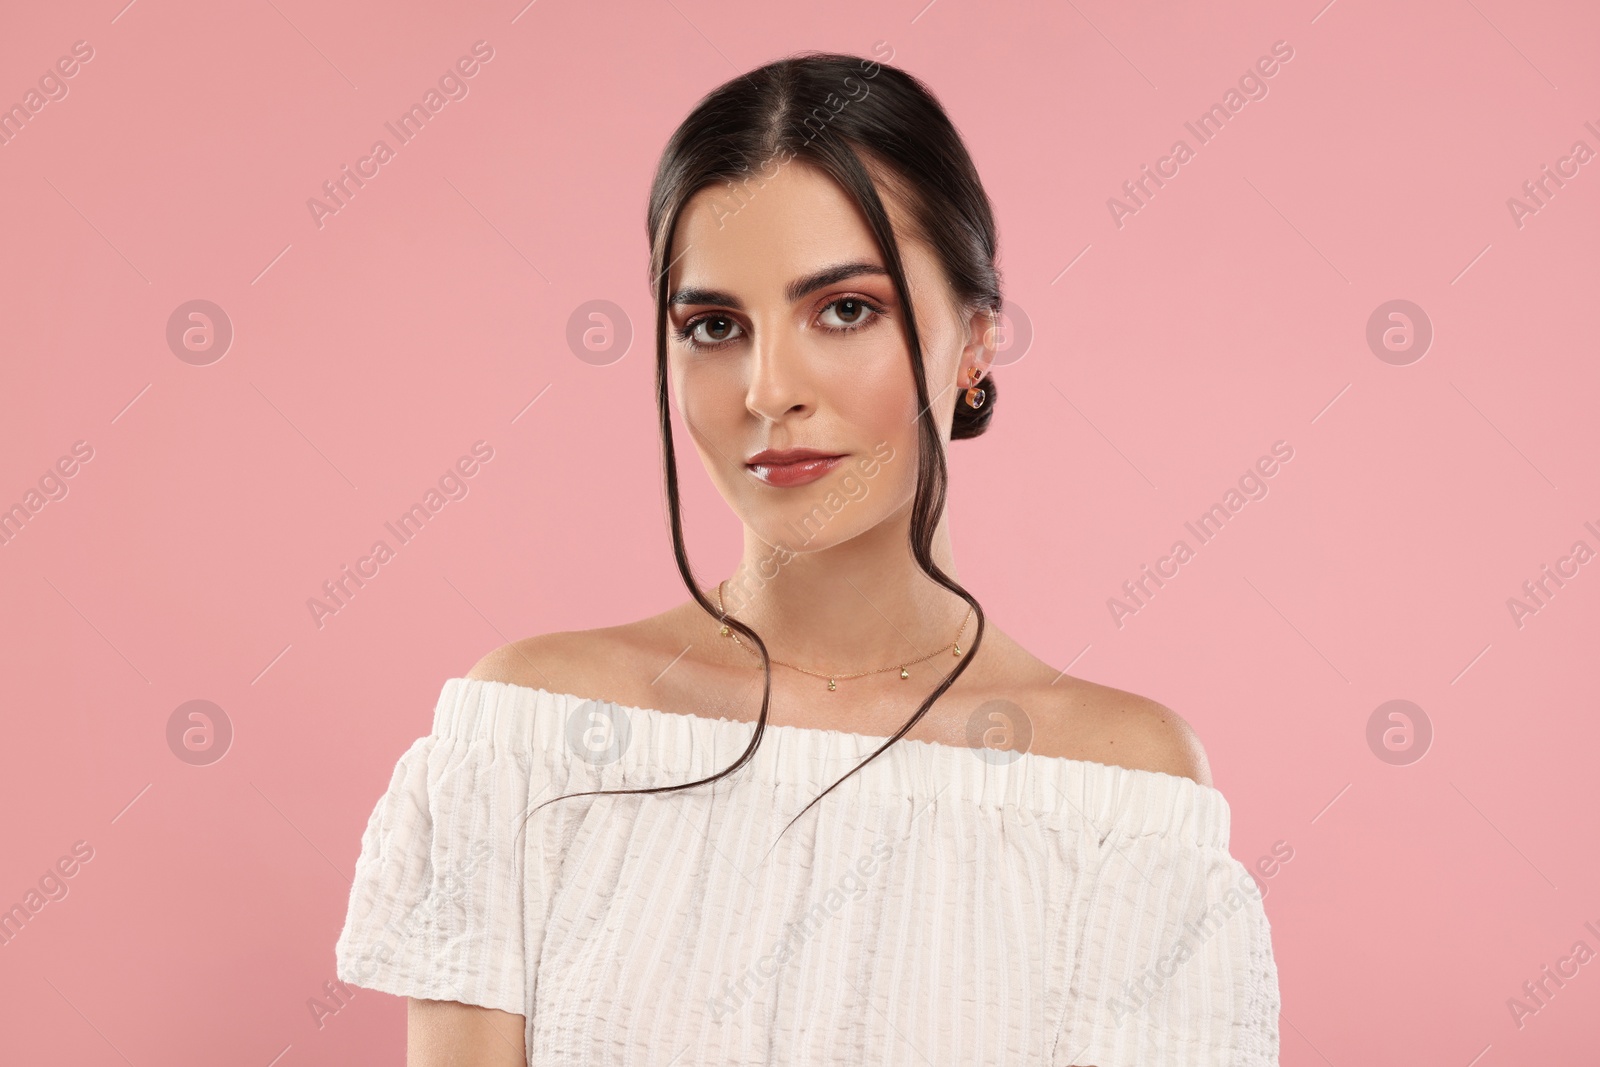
944, 905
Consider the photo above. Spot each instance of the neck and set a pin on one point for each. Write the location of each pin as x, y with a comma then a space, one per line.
855, 606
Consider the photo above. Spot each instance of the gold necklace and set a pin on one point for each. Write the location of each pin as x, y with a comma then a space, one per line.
904, 674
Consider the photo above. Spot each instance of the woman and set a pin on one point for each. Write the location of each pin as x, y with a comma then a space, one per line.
822, 812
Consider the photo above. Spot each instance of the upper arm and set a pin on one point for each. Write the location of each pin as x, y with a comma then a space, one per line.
445, 1033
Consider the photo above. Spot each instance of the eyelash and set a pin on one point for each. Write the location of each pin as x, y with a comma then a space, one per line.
685, 333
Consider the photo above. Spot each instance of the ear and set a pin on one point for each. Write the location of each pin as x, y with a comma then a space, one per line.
977, 357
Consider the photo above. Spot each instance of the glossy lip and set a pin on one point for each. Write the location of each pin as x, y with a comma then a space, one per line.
770, 457
791, 466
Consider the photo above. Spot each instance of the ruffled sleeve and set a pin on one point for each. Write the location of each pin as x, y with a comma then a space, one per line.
1173, 962
436, 907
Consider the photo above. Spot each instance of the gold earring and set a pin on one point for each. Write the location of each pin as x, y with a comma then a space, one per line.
975, 396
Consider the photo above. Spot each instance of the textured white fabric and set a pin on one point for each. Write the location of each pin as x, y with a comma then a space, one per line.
943, 905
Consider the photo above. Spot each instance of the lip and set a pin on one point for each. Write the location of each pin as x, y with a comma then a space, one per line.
792, 466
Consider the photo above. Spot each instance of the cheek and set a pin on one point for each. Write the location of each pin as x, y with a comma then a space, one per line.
710, 398
877, 397
876, 402
887, 429
894, 483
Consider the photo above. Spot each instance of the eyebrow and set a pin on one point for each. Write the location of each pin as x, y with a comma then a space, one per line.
795, 290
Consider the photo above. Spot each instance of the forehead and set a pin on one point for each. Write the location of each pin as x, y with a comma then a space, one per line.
761, 234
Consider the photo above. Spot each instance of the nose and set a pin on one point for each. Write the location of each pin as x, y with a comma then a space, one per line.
780, 382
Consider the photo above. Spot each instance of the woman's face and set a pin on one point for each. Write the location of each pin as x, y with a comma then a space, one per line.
784, 333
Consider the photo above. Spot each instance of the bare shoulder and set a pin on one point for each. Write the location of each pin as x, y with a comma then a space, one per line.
1074, 718
567, 661
1106, 725
534, 661
620, 663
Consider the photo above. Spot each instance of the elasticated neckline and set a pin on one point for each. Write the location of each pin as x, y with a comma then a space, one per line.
650, 747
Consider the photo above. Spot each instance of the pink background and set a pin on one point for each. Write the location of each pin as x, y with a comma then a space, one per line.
369, 354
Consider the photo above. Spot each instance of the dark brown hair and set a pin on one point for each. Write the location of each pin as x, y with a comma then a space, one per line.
838, 113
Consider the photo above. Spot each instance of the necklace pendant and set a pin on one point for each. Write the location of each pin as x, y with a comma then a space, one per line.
831, 686
904, 673
957, 652
724, 631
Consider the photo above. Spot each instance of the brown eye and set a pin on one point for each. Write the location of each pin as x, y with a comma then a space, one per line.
852, 313
708, 331
717, 328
